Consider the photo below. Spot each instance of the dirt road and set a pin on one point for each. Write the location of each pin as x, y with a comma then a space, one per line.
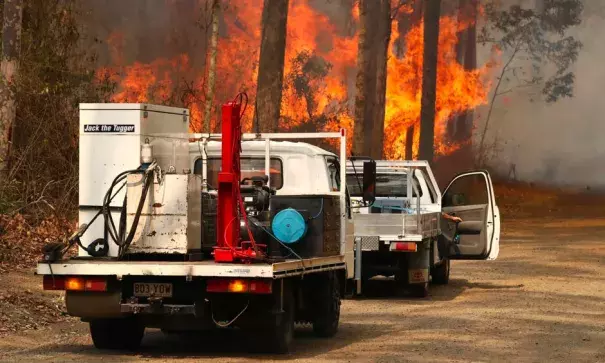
542, 300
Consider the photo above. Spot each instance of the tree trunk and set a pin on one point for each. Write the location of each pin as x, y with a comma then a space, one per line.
464, 122
216, 7
453, 122
271, 64
406, 21
9, 66
409, 143
361, 82
374, 37
376, 150
429, 79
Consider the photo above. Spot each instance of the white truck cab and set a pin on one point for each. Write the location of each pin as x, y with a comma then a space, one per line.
295, 167
402, 232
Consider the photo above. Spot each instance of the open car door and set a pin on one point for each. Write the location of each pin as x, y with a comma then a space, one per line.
470, 196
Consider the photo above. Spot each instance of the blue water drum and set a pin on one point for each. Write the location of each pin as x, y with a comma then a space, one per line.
289, 226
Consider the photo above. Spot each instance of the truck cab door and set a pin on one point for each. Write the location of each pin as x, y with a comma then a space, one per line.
470, 196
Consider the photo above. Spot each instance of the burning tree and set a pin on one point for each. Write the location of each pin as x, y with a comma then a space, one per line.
271, 65
374, 38
318, 89
432, 14
306, 82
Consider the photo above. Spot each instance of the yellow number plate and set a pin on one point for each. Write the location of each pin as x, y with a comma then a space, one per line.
152, 289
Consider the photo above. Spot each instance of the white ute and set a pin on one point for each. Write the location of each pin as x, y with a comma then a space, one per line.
399, 227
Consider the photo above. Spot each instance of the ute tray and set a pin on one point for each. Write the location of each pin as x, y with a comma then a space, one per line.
209, 268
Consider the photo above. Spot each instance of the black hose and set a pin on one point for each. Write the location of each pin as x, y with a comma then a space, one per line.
83, 230
118, 236
110, 226
126, 243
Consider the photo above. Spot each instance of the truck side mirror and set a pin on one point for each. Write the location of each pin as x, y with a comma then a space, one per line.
369, 181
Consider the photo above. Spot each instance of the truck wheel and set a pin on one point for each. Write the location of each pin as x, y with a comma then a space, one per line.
119, 334
441, 273
325, 322
279, 337
419, 290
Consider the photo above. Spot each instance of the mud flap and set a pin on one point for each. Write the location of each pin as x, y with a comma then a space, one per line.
93, 304
419, 263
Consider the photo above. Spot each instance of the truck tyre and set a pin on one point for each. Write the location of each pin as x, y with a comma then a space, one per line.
278, 338
441, 273
325, 321
119, 334
419, 290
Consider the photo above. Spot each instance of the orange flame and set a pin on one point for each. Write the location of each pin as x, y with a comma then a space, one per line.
458, 89
319, 75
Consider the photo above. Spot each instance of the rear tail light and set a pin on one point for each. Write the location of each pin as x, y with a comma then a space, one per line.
240, 286
404, 246
72, 283
95, 284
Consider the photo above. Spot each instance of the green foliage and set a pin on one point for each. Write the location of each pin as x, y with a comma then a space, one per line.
538, 35
307, 76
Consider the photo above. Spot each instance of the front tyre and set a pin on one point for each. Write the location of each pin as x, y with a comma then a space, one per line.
117, 334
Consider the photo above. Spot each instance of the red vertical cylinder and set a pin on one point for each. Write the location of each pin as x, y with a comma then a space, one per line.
228, 184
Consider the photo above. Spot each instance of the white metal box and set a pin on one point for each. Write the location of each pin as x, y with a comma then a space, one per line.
111, 136
170, 220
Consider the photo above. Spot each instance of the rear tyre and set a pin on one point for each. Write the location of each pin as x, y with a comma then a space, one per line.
325, 322
419, 290
441, 273
118, 334
279, 337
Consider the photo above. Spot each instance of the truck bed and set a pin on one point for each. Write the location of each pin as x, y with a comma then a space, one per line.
209, 268
405, 227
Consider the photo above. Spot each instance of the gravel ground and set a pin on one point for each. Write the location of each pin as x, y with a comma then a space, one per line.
542, 300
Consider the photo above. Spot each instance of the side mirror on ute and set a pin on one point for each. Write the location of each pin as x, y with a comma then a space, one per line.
369, 181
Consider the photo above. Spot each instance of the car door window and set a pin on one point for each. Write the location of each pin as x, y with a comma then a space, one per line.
467, 190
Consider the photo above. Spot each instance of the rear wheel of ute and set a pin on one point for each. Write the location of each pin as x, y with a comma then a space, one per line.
119, 334
419, 290
441, 273
325, 322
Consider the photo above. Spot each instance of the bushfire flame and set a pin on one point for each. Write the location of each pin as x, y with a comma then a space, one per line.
319, 76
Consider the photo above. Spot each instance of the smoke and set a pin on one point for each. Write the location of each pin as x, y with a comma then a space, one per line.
145, 30
560, 143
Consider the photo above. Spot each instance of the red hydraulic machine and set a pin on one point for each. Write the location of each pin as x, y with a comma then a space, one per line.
229, 247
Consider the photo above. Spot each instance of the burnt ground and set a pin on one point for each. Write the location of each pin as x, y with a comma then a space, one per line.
542, 300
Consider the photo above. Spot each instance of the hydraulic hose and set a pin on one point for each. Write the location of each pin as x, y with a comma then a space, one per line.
126, 242
55, 251
110, 226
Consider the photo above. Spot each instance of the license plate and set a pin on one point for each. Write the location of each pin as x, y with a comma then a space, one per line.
152, 289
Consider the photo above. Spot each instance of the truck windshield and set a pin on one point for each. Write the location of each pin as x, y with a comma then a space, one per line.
249, 167
387, 185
